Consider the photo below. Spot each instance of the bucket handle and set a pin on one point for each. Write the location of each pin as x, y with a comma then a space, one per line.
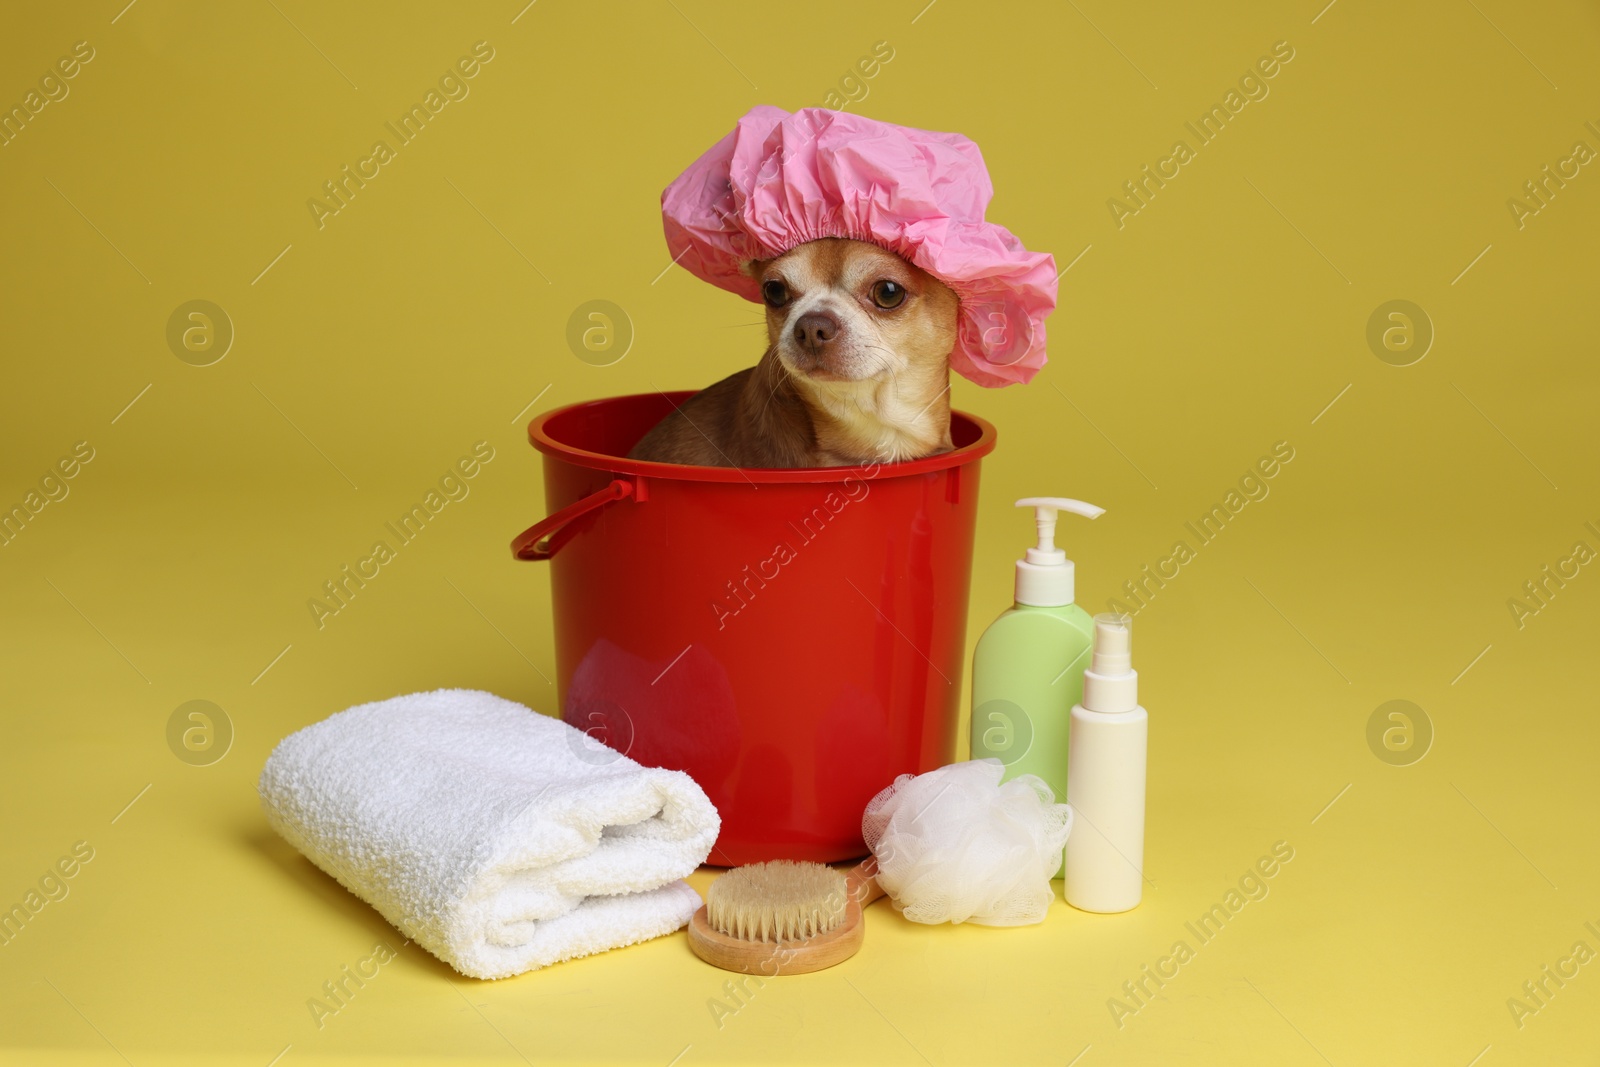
544, 538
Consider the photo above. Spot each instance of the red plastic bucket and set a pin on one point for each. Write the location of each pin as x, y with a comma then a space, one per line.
793, 639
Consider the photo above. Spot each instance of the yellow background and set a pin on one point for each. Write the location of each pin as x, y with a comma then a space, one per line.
431, 312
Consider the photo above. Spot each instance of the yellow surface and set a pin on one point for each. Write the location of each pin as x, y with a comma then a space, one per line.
1227, 315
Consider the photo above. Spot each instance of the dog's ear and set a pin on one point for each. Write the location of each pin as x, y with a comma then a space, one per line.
753, 267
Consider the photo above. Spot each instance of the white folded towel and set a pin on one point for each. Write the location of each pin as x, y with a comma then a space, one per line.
499, 839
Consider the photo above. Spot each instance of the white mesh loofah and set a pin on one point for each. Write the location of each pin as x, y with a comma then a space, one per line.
954, 845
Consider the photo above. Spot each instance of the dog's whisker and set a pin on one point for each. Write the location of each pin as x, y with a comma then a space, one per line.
783, 374
887, 362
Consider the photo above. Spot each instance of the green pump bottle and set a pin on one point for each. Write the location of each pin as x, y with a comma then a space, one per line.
1027, 671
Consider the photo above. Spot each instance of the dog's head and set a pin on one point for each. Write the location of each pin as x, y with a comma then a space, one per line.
841, 311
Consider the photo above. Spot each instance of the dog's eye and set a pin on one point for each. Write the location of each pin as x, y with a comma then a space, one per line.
775, 293
887, 294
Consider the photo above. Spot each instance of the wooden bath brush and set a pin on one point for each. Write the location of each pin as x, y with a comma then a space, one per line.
784, 917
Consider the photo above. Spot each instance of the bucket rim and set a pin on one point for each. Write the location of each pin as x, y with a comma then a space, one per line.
541, 439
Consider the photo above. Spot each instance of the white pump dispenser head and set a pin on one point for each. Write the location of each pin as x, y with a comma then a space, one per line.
1045, 574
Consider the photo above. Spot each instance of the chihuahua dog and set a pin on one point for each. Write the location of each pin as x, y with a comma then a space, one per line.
857, 369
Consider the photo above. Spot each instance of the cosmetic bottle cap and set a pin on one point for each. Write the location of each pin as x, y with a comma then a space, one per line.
1045, 574
1111, 684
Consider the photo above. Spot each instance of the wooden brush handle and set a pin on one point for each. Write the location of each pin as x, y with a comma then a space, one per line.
862, 882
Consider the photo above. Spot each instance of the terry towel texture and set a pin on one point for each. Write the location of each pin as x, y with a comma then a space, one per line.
499, 839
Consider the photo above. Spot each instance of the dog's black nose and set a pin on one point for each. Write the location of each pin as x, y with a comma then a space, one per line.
814, 329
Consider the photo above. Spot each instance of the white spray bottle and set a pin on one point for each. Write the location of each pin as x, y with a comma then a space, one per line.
1106, 776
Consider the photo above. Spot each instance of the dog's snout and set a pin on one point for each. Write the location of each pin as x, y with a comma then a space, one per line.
814, 329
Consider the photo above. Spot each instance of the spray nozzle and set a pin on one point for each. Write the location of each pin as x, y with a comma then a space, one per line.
1111, 684
1044, 516
1113, 644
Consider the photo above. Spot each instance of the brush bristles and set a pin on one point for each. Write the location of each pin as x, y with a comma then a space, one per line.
778, 901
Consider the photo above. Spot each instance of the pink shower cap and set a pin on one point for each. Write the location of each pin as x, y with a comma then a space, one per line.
779, 180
